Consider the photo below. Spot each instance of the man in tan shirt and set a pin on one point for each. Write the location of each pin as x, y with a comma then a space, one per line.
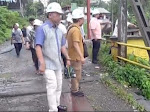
75, 50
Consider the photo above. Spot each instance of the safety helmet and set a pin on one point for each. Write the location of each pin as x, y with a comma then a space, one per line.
37, 22
77, 14
17, 24
54, 7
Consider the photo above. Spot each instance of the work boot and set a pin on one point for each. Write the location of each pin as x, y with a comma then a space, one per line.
62, 108
79, 94
94, 62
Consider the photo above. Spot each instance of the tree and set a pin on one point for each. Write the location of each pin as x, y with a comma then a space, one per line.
6, 23
34, 9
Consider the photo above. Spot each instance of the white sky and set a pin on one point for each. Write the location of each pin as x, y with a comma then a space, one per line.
106, 0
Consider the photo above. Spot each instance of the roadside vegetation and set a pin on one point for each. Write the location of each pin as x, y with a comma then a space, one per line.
7, 19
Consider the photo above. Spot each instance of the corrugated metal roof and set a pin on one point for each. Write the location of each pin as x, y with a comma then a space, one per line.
102, 10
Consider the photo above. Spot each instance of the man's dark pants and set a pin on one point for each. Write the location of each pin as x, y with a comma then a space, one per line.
96, 47
18, 47
34, 58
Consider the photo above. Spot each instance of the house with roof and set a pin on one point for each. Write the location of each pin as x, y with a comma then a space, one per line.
104, 12
14, 4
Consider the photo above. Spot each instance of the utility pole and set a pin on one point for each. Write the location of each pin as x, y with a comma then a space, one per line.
88, 17
122, 27
112, 15
142, 21
21, 8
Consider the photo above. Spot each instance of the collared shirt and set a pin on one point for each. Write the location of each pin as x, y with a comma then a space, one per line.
17, 35
96, 27
74, 35
63, 28
32, 38
28, 29
51, 40
82, 32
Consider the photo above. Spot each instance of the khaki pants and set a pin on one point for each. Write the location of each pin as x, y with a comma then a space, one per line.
77, 65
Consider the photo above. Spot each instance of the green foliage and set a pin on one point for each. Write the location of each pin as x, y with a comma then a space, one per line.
7, 19
114, 7
134, 76
34, 9
137, 59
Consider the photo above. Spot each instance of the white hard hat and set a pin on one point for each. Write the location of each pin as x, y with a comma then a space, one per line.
17, 24
37, 22
95, 11
54, 7
77, 14
69, 19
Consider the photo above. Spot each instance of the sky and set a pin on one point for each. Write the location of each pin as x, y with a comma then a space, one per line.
106, 0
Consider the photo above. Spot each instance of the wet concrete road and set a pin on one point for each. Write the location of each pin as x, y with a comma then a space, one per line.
22, 90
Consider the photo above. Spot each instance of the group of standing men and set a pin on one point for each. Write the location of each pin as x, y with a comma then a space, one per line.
47, 42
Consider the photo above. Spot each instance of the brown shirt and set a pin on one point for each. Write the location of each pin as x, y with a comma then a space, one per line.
74, 35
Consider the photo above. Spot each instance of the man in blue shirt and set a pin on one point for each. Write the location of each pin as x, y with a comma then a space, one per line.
50, 42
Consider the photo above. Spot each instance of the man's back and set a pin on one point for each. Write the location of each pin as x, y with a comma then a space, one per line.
74, 35
96, 27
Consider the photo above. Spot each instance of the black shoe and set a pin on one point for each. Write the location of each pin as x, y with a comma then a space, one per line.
62, 108
94, 62
79, 94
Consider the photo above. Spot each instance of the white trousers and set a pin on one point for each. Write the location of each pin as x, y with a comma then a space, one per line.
54, 87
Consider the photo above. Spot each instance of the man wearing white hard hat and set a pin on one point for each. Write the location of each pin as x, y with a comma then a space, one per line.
28, 29
69, 20
75, 50
95, 29
31, 40
17, 38
50, 42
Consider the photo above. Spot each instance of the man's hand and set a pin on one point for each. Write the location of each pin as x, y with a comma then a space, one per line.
82, 60
27, 45
68, 63
42, 68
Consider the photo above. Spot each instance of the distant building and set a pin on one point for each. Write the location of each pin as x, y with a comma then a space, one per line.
95, 1
14, 4
104, 12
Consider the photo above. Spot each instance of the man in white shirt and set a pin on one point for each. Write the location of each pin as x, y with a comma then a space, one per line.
29, 29
96, 35
115, 33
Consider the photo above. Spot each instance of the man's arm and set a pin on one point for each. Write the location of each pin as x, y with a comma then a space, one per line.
40, 37
65, 53
23, 39
93, 27
76, 46
40, 58
92, 30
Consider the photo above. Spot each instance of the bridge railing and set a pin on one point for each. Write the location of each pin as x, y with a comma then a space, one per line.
115, 44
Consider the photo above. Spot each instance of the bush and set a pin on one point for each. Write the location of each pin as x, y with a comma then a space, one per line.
132, 75
7, 19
